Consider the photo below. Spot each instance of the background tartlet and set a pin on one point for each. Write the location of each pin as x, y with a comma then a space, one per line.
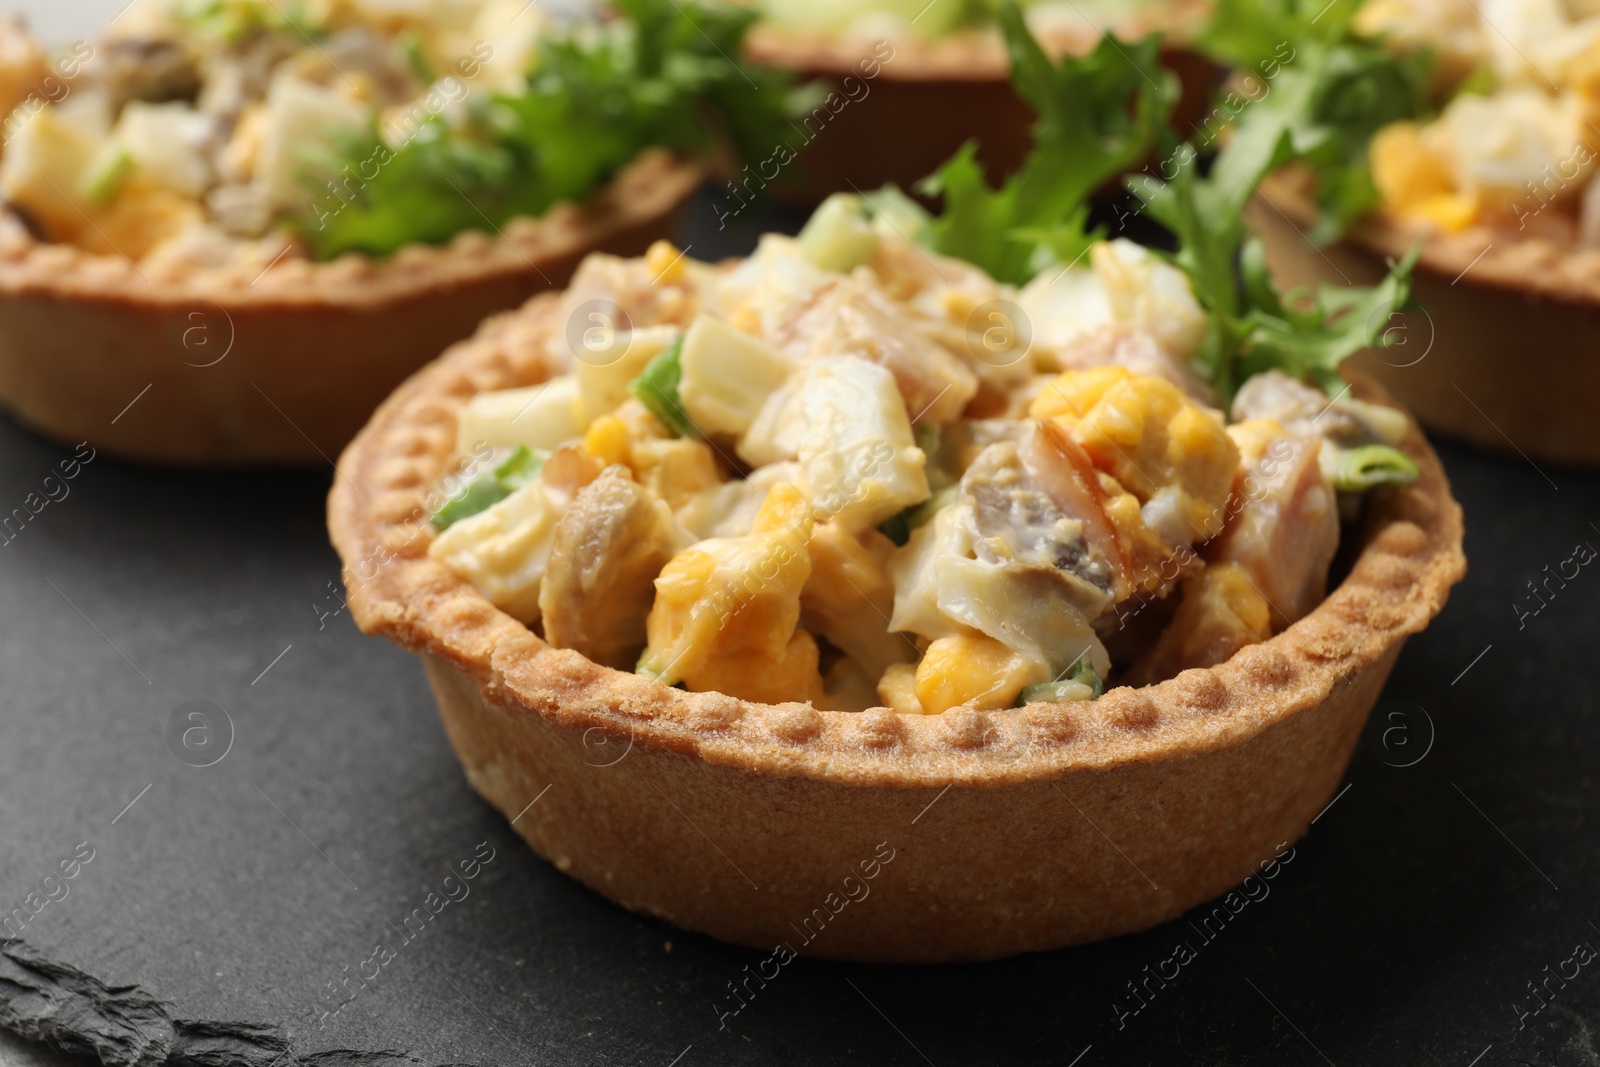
279, 363
1501, 353
873, 128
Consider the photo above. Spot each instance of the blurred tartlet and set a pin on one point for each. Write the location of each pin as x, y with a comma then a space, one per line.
909, 83
234, 225
1483, 166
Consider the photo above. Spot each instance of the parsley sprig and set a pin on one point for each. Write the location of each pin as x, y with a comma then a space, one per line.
1324, 104
1321, 110
1098, 115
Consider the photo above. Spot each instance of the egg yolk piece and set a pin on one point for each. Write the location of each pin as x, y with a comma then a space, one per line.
727, 611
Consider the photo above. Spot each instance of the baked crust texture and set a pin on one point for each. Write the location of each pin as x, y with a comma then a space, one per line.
1502, 355
253, 363
1011, 831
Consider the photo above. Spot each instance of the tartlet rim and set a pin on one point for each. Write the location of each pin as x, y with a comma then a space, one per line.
1480, 255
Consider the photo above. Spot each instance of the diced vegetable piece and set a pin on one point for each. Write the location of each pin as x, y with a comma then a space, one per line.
858, 453
40, 173
103, 179
479, 495
1365, 468
169, 143
1083, 673
727, 375
540, 416
487, 490
306, 126
520, 468
605, 383
839, 236
893, 212
504, 550
416, 54
657, 389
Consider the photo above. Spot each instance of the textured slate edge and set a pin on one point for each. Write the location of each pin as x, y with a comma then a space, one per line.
124, 1026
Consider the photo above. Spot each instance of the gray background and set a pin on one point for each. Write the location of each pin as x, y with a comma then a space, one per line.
60, 21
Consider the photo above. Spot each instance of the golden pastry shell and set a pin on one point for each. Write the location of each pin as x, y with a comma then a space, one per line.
1011, 831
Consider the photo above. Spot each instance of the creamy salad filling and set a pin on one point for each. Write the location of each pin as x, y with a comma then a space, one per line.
1517, 149
851, 471
206, 130
1504, 135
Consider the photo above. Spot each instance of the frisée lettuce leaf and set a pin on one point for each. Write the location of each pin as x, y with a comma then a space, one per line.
1098, 115
659, 75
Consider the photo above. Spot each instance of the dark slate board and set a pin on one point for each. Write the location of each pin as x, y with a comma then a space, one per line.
221, 900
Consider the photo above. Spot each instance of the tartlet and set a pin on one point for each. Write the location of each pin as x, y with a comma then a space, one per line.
278, 363
976, 834
230, 228
1501, 355
872, 129
1489, 178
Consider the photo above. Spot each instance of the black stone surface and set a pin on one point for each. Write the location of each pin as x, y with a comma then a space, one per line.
221, 900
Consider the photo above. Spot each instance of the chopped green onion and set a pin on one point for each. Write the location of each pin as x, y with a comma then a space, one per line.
657, 389
487, 490
103, 179
1370, 466
417, 58
479, 495
1062, 692
521, 467
1080, 682
898, 528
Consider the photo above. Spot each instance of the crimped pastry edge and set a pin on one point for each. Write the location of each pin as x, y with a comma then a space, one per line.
1411, 557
